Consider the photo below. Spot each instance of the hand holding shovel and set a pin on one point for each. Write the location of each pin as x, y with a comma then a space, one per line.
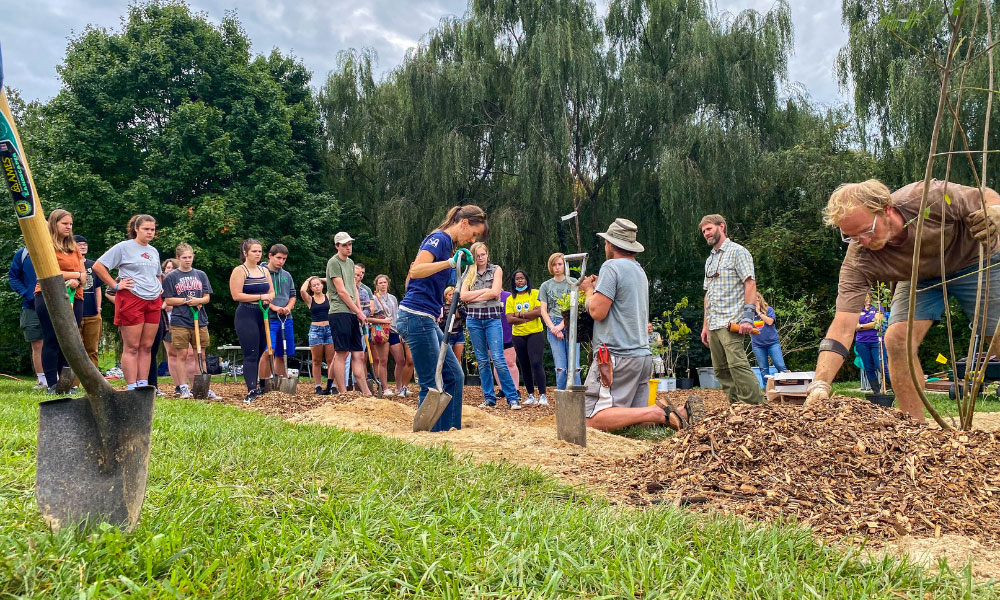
202, 380
271, 383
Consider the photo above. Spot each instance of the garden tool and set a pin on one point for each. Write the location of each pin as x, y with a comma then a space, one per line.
286, 385
373, 384
604, 366
735, 328
271, 383
201, 381
437, 400
571, 424
66, 377
93, 451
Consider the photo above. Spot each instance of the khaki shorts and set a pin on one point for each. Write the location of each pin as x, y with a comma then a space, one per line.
183, 337
629, 384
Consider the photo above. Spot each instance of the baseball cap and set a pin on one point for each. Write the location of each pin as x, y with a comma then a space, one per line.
80, 239
342, 237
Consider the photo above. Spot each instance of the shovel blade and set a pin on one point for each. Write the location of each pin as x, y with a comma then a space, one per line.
65, 382
199, 387
288, 385
75, 481
430, 409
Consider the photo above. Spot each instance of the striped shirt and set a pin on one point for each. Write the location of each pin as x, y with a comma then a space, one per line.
726, 270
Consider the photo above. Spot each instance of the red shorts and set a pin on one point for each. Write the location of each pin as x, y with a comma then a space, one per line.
133, 310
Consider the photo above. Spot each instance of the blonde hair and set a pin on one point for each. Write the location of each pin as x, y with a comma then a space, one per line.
871, 194
450, 288
67, 244
552, 260
471, 275
763, 304
135, 222
182, 248
714, 220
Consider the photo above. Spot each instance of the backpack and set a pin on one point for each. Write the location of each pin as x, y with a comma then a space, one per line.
212, 364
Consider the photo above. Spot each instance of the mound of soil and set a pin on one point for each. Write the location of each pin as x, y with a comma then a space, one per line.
845, 468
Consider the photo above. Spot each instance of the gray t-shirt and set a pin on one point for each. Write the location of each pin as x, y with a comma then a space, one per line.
386, 307
180, 284
624, 329
550, 292
284, 286
141, 263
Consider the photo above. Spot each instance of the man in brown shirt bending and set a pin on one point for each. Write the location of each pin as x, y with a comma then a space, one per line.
880, 230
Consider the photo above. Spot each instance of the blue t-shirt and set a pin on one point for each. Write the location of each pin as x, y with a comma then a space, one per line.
768, 333
425, 295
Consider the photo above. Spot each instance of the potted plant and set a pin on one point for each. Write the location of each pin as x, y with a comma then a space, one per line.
881, 298
584, 322
677, 340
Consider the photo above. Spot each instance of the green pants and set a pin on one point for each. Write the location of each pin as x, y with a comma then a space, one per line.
732, 369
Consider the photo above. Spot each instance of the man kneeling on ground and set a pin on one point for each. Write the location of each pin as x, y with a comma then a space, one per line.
880, 229
617, 390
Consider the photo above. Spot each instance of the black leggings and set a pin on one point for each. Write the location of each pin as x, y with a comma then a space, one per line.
250, 330
530, 349
52, 357
154, 351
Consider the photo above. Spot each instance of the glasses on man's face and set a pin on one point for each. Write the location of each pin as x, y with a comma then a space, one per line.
853, 239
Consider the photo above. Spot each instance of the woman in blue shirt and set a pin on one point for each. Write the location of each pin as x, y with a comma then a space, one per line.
419, 309
866, 341
766, 344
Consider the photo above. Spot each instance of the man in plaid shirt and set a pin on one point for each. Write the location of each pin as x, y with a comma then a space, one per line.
730, 296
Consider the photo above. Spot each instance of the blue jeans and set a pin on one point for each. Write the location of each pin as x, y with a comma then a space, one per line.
773, 351
486, 336
424, 338
868, 351
560, 355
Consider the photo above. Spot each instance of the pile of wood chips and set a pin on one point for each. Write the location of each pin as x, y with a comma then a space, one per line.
845, 468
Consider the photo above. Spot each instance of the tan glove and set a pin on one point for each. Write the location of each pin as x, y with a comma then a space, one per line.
818, 392
984, 226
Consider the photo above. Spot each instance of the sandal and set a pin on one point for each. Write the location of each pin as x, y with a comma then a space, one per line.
670, 410
695, 408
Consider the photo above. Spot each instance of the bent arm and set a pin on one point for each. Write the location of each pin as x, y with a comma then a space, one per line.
598, 305
425, 266
102, 273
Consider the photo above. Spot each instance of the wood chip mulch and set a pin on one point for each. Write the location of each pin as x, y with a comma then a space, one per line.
845, 468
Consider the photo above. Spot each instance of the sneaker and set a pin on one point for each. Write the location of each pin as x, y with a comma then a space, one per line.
51, 390
543, 401
159, 394
319, 390
213, 396
387, 393
39, 386
486, 404
186, 392
73, 390
530, 400
177, 391
515, 405
402, 393
251, 396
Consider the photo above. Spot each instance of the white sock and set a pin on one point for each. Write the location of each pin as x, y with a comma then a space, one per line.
41, 378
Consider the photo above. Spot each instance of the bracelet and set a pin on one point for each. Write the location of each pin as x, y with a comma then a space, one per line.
116, 286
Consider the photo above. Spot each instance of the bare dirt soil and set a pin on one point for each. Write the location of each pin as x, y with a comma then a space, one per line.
849, 470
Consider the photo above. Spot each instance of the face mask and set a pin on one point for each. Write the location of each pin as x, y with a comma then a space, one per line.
521, 288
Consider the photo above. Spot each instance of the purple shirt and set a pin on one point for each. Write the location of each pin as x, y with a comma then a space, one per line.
508, 329
867, 335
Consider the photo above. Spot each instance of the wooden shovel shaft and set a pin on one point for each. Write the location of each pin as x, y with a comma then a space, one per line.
197, 341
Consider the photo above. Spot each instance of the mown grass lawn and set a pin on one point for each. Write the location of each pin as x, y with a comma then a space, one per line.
245, 506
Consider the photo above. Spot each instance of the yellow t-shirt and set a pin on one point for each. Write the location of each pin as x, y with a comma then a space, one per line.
523, 302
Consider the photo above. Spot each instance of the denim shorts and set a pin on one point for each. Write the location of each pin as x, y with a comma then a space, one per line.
320, 335
929, 304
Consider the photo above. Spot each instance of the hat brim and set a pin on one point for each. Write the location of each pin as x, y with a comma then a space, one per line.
627, 246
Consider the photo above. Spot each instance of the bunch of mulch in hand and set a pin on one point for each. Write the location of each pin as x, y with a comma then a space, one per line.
845, 468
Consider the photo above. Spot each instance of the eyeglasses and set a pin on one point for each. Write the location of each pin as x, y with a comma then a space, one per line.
853, 239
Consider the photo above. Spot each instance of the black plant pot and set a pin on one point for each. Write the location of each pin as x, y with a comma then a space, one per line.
685, 383
472, 380
885, 400
584, 326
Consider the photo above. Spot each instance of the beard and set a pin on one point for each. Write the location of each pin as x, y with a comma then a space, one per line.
714, 239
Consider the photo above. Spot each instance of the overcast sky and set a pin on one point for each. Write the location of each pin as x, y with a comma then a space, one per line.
34, 33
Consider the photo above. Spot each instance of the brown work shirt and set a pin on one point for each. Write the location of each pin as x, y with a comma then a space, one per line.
863, 267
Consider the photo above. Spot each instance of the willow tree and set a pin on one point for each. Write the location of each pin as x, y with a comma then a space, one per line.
534, 109
892, 60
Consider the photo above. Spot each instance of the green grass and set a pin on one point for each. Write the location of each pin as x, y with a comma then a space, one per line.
944, 405
241, 505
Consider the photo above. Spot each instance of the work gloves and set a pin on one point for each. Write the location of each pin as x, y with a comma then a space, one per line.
462, 257
984, 225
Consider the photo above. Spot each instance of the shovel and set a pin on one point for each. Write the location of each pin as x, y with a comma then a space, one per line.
436, 399
201, 381
66, 377
271, 383
373, 383
286, 385
93, 452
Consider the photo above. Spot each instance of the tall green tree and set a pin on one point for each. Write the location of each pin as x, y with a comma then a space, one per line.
172, 116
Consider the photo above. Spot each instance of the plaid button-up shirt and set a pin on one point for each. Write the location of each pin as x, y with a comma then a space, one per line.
727, 267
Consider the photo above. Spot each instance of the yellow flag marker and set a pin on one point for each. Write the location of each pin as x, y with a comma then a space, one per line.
941, 359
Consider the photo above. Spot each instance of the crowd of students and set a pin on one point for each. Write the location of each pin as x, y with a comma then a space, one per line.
162, 302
